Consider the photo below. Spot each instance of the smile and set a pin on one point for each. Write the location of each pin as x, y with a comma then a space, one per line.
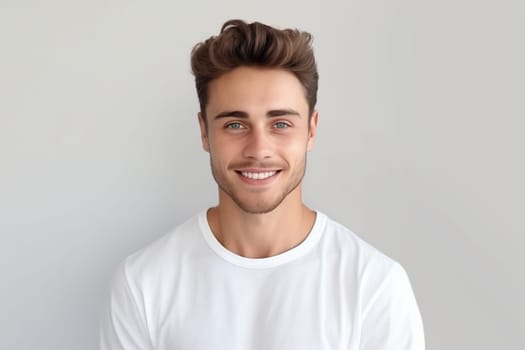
258, 176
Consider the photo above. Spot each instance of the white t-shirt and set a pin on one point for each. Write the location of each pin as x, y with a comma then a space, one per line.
332, 291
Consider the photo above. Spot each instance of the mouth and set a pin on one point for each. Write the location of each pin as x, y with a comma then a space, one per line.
258, 176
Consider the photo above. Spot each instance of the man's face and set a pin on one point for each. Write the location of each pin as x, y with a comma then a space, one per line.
257, 135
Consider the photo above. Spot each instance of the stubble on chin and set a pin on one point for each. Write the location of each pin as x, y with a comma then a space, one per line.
260, 206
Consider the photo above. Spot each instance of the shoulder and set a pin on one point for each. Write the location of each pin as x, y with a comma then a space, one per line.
343, 242
373, 271
161, 256
381, 279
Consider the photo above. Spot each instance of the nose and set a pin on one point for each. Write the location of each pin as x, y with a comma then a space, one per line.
258, 145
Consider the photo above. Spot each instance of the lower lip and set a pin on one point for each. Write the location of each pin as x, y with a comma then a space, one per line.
266, 181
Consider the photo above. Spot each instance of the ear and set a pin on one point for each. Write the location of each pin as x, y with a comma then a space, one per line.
204, 132
312, 132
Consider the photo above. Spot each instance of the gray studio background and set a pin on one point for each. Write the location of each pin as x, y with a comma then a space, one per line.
419, 150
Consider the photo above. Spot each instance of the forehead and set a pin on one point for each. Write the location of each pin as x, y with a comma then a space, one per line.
253, 88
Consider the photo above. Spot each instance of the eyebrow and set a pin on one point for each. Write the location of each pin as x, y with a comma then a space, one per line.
270, 113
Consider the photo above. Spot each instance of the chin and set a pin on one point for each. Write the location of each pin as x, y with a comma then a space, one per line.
257, 207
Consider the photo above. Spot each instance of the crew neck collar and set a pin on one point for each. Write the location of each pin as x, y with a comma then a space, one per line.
262, 263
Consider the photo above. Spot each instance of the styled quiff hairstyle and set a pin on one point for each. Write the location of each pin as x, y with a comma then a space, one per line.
255, 44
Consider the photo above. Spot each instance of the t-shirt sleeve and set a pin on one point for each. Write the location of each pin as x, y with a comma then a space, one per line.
391, 319
123, 323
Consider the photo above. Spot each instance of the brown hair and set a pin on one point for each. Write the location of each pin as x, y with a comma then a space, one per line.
254, 44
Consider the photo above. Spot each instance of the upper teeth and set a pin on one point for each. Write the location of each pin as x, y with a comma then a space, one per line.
258, 176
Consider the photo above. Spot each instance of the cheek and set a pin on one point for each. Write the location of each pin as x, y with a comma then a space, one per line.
295, 145
221, 150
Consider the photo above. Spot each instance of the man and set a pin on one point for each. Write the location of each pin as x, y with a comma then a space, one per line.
260, 270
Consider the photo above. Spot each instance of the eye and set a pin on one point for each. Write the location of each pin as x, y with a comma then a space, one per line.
281, 125
234, 125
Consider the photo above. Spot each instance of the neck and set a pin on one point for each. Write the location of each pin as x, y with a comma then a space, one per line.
261, 235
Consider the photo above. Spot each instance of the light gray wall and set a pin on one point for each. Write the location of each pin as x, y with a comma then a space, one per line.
420, 150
